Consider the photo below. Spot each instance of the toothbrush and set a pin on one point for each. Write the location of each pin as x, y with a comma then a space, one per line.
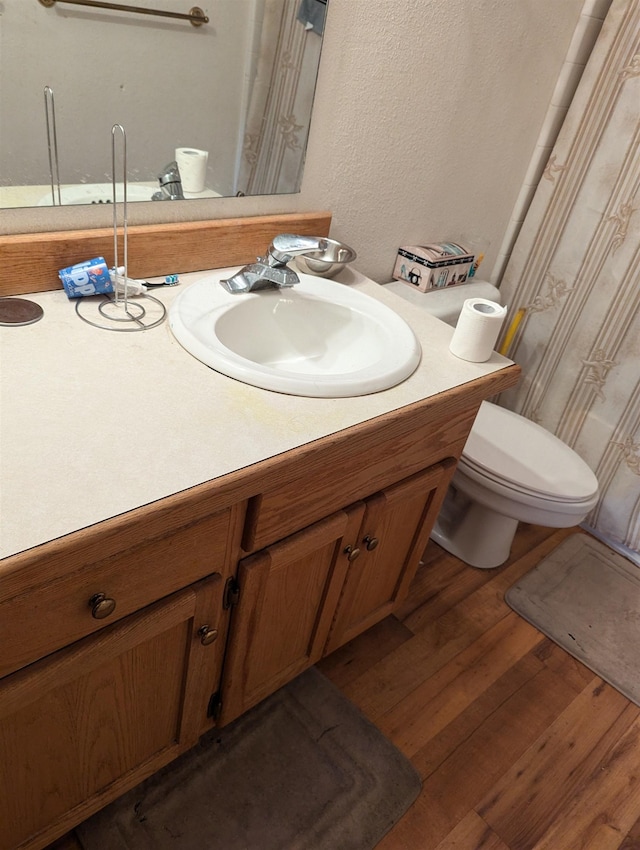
170, 280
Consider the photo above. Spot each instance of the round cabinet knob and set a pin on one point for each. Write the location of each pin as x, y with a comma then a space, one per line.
101, 605
370, 542
351, 553
207, 635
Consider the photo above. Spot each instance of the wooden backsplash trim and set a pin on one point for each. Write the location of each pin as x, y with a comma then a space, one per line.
29, 262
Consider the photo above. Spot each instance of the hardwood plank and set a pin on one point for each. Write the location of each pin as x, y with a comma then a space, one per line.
606, 806
436, 702
480, 761
354, 658
391, 680
423, 826
568, 667
445, 581
632, 838
556, 765
439, 642
481, 715
441, 582
472, 833
400, 672
67, 842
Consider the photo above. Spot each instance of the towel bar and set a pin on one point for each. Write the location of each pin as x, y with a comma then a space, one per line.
195, 14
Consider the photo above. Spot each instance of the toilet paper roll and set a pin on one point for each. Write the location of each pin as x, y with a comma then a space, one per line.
477, 330
192, 164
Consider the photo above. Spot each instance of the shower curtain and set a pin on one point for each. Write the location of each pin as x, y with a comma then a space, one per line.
280, 103
575, 268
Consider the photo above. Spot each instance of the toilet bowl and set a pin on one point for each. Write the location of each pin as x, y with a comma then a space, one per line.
511, 470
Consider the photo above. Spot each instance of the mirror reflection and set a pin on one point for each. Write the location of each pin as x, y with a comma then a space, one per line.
229, 101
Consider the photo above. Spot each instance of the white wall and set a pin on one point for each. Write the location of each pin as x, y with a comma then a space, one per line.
426, 116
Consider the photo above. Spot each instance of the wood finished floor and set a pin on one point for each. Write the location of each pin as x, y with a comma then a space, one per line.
519, 746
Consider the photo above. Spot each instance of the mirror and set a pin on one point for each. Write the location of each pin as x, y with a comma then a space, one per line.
239, 88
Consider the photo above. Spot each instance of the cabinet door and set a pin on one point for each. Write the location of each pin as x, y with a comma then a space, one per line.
392, 538
288, 593
85, 724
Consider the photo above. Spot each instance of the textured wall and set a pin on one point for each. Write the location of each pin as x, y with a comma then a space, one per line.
426, 116
575, 267
436, 109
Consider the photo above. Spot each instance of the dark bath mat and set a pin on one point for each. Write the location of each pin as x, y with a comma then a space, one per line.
304, 770
586, 598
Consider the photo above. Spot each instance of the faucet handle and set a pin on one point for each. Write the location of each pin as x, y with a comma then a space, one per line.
170, 184
286, 246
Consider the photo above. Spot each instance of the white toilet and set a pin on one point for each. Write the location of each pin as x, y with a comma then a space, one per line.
511, 469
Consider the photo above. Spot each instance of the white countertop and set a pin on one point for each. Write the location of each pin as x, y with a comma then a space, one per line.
95, 423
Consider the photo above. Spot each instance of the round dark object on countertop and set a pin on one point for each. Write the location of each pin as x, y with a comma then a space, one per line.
19, 311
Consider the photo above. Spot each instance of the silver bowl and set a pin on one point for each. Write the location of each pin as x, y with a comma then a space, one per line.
328, 262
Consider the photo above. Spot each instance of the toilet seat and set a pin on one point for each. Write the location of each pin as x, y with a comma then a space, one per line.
519, 456
518, 503
517, 491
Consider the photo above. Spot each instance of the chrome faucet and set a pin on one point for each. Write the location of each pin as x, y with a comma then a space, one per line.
271, 270
170, 184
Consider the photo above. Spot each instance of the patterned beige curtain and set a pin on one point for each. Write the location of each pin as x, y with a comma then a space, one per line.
576, 270
280, 104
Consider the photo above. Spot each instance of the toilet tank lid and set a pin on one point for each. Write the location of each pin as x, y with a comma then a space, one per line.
516, 449
446, 303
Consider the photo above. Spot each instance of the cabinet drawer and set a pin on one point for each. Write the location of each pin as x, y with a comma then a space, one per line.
324, 481
52, 615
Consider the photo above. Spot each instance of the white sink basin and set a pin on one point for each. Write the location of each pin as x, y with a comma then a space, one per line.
318, 338
98, 193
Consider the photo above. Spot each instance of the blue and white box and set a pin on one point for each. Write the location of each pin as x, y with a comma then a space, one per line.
88, 278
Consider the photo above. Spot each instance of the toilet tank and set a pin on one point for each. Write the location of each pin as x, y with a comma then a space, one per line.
445, 304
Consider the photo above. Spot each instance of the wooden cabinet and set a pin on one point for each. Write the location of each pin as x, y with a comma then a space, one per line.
84, 724
305, 596
288, 593
391, 539
321, 542
112, 645
59, 595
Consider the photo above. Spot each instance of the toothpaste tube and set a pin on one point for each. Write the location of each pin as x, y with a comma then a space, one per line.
88, 278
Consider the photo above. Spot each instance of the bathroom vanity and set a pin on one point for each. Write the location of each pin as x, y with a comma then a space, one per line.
177, 545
